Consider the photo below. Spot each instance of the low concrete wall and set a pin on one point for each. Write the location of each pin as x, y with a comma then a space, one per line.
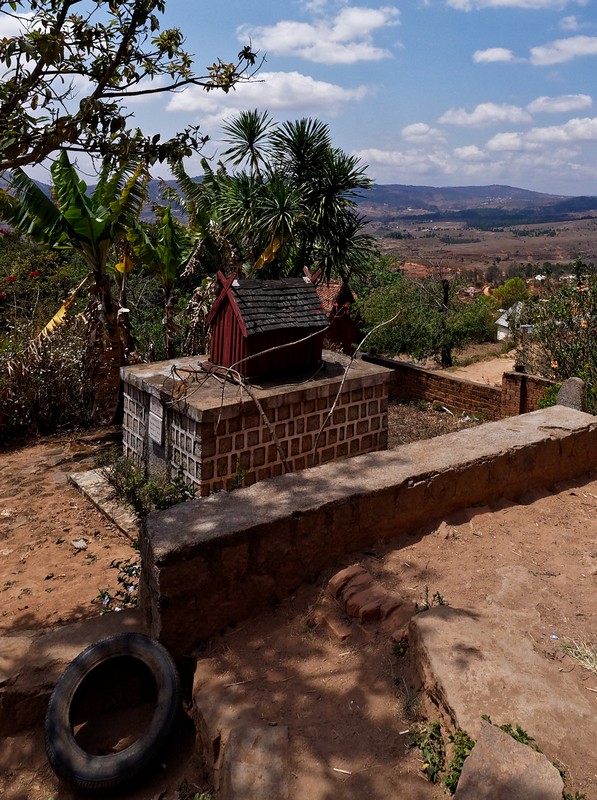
215, 561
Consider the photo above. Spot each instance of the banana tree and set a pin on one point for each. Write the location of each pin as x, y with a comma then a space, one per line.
90, 225
164, 257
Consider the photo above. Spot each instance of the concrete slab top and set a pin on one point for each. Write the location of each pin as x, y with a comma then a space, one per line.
207, 393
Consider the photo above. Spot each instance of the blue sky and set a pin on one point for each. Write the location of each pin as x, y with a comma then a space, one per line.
437, 92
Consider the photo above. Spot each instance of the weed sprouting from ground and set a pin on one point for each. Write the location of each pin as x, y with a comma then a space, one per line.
428, 739
144, 492
188, 791
517, 733
128, 586
400, 649
436, 600
463, 744
409, 699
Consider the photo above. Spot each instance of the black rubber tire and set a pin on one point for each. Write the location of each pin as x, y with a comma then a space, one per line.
91, 773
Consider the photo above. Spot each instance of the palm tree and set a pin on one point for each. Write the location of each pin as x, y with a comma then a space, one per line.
90, 225
248, 135
295, 206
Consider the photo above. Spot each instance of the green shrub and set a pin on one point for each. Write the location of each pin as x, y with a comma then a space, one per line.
564, 327
144, 492
550, 396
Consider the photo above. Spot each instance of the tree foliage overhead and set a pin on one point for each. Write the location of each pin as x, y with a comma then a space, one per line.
72, 64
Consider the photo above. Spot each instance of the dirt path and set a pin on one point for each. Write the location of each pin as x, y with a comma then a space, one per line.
489, 372
344, 701
55, 547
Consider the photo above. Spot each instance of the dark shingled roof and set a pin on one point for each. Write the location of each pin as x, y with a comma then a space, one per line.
272, 305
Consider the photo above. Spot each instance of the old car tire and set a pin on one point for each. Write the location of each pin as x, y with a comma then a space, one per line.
92, 772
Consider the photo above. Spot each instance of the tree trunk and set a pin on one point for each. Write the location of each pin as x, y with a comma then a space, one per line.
169, 325
107, 355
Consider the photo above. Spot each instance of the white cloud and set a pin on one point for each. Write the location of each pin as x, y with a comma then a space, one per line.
570, 133
420, 132
486, 114
570, 23
545, 167
508, 142
315, 6
274, 91
14, 26
414, 162
535, 5
492, 55
560, 105
562, 50
575, 130
345, 39
470, 153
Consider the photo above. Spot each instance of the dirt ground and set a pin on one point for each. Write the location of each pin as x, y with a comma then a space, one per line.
489, 372
346, 702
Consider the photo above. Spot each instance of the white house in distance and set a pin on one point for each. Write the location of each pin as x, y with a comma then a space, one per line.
507, 319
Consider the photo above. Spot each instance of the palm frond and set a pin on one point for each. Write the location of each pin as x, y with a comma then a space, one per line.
248, 135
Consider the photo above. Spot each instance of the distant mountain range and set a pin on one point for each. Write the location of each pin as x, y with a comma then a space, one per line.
475, 205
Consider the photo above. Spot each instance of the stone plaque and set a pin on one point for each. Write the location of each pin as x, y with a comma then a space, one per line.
156, 421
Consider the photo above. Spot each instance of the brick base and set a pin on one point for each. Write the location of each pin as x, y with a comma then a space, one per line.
217, 443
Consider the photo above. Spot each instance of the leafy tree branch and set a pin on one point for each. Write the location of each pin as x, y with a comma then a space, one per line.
70, 67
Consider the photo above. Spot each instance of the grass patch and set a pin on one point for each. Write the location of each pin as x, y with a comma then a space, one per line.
585, 654
409, 699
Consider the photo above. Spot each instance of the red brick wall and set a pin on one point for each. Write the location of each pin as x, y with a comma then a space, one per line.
518, 394
521, 393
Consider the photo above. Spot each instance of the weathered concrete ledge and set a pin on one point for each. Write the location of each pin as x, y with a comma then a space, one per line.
214, 561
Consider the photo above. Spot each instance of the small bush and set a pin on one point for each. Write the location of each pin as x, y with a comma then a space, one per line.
144, 492
44, 385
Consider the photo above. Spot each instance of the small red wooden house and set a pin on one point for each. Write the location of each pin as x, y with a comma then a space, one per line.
250, 316
336, 299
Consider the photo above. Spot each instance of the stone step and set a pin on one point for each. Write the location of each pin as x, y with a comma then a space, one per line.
473, 662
